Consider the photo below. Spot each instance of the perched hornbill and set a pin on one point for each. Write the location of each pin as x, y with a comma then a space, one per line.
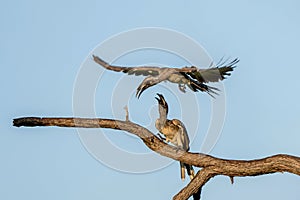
192, 77
174, 132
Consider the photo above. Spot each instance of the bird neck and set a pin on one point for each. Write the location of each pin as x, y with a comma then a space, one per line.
161, 121
162, 116
159, 124
163, 112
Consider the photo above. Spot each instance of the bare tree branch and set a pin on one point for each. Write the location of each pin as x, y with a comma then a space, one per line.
211, 166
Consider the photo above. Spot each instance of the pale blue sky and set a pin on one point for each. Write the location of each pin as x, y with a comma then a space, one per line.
43, 44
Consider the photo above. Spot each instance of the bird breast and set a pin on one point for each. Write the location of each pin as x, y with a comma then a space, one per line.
169, 130
158, 125
177, 78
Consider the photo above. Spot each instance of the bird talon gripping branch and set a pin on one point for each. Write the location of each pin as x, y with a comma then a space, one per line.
160, 137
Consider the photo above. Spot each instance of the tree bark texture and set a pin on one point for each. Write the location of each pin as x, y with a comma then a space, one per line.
210, 166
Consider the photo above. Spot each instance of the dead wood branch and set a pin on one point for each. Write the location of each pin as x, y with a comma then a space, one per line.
211, 166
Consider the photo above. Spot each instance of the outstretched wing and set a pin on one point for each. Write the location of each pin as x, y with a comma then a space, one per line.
214, 74
139, 70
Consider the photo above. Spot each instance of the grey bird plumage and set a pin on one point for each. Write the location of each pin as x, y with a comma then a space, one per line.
174, 132
194, 78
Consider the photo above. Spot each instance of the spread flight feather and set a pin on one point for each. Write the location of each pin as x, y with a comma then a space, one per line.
192, 77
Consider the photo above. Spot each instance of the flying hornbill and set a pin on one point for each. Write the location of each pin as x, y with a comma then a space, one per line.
192, 77
174, 132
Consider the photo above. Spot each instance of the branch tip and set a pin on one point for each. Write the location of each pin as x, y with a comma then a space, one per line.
211, 166
127, 113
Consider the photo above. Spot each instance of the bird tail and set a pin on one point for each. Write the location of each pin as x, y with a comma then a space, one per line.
189, 169
196, 86
182, 171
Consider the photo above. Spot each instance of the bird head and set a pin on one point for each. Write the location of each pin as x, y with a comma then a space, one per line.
147, 82
162, 102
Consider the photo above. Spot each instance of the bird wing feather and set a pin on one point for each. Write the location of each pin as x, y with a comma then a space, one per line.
183, 140
213, 74
139, 70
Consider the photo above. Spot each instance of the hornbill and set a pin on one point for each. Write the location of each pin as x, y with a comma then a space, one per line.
192, 77
174, 132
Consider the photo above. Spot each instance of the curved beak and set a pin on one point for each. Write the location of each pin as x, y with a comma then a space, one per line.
140, 90
159, 98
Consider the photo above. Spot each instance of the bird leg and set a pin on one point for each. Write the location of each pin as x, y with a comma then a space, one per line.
182, 87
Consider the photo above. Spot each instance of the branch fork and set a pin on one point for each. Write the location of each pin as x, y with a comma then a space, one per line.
210, 166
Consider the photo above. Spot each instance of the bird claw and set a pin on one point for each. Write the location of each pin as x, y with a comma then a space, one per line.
161, 137
182, 88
